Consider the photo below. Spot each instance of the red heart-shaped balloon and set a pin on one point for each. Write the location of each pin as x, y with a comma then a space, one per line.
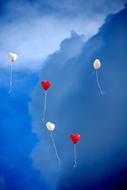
45, 84
75, 138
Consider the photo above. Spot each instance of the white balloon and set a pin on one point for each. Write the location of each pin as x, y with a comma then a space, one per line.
50, 126
12, 57
97, 64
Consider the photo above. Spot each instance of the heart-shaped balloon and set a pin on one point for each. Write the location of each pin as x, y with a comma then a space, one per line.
12, 57
75, 138
45, 84
50, 126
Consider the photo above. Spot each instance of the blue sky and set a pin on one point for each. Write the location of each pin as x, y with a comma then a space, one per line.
58, 41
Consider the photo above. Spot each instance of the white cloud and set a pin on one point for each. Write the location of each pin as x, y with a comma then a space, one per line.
34, 35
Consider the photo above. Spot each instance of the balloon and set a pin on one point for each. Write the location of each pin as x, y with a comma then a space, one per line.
45, 84
97, 64
12, 57
50, 126
75, 138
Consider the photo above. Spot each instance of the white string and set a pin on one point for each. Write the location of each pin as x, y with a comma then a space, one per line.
75, 156
99, 86
45, 105
57, 156
10, 88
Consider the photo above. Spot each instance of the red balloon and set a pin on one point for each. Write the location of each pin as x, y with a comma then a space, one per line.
75, 138
45, 84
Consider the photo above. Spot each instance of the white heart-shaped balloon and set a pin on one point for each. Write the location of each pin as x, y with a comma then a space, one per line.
50, 126
12, 57
97, 64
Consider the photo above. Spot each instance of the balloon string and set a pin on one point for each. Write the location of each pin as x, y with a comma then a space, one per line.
10, 88
75, 156
45, 105
99, 86
57, 156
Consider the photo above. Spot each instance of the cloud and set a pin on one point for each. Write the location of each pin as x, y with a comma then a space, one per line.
93, 8
69, 48
75, 106
34, 30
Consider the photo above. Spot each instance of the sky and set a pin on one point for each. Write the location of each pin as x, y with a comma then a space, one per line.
58, 41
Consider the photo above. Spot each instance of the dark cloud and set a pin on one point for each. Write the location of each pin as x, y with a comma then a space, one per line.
74, 105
